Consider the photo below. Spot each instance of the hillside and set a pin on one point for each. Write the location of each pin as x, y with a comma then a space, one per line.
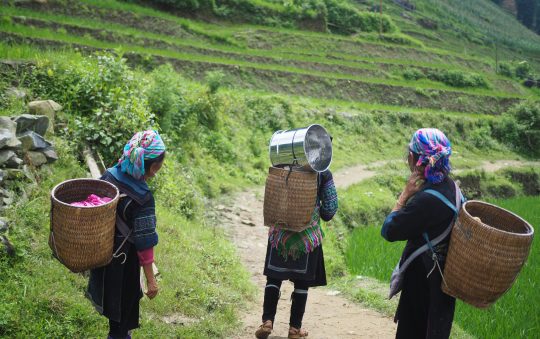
217, 78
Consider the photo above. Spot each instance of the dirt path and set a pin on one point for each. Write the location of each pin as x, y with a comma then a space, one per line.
328, 314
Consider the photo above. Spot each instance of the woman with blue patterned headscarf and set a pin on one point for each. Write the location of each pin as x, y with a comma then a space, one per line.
423, 216
115, 289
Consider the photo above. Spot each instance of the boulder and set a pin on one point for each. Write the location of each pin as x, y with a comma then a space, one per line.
36, 158
50, 154
35, 123
32, 141
5, 156
45, 107
8, 131
8, 247
14, 162
3, 225
15, 92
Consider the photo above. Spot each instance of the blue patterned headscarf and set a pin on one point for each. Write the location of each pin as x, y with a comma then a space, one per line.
142, 146
434, 149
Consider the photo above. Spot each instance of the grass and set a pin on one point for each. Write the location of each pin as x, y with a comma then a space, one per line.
513, 315
199, 58
202, 278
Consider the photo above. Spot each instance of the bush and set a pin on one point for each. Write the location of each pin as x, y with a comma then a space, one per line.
102, 97
520, 127
413, 74
452, 78
523, 70
165, 99
344, 18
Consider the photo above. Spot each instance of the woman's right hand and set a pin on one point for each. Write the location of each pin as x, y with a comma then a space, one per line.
152, 287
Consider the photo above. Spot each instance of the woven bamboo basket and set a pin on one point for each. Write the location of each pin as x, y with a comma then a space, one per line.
82, 237
289, 198
485, 256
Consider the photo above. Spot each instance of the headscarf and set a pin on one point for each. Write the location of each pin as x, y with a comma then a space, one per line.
434, 149
142, 146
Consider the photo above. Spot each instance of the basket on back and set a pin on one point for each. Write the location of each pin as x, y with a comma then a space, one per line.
82, 237
486, 255
289, 198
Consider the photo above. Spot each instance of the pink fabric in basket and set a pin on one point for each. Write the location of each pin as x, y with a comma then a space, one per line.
91, 201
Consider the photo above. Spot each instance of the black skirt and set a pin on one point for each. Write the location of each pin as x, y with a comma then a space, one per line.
115, 289
308, 267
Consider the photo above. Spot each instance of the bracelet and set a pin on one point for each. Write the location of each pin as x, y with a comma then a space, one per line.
399, 204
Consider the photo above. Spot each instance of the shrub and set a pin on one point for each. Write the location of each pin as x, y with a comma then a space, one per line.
413, 74
215, 80
523, 70
165, 98
520, 127
344, 18
103, 98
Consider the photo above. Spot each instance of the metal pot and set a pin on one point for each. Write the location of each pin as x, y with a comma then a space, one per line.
309, 147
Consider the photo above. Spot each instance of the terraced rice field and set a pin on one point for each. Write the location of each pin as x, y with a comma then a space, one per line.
296, 63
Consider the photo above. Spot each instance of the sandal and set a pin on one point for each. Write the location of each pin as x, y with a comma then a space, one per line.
295, 333
264, 330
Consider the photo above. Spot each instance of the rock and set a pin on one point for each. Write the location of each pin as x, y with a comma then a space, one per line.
14, 92
5, 156
333, 293
3, 225
45, 107
14, 162
248, 222
36, 159
8, 130
2, 174
10, 250
32, 141
36, 123
50, 154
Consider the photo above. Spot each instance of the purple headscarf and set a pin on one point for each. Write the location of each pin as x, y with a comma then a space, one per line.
434, 149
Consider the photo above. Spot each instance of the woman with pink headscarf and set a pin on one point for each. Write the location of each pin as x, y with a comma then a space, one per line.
423, 216
115, 289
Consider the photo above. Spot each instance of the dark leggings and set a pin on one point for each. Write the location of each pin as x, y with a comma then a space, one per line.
298, 297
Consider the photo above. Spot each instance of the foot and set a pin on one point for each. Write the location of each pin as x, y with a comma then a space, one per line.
264, 330
296, 333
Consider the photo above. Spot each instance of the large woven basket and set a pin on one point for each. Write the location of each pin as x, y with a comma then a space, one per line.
289, 198
485, 257
82, 237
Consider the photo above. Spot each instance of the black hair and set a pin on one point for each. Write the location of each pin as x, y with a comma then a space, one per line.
149, 162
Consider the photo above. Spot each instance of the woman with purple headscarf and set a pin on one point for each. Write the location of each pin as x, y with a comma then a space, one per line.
115, 289
423, 216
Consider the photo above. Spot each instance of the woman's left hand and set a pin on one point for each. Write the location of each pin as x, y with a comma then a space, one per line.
414, 184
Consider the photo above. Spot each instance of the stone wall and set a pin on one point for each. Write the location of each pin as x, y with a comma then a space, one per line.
23, 148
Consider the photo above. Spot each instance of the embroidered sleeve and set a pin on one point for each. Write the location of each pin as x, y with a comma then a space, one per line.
144, 226
328, 195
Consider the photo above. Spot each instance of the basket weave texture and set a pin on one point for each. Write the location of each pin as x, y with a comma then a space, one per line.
289, 198
485, 257
82, 237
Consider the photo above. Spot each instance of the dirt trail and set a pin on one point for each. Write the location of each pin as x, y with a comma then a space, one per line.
328, 314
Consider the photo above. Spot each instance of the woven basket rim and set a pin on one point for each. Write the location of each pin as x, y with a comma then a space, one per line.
491, 228
53, 193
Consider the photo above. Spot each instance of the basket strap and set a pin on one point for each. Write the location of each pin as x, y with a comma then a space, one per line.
430, 244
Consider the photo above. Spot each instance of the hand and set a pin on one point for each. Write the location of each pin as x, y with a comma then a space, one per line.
152, 288
414, 184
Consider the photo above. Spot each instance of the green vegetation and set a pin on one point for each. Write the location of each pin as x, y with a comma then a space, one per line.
337, 16
217, 90
451, 78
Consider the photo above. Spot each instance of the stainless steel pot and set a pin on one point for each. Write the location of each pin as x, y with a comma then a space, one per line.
309, 147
